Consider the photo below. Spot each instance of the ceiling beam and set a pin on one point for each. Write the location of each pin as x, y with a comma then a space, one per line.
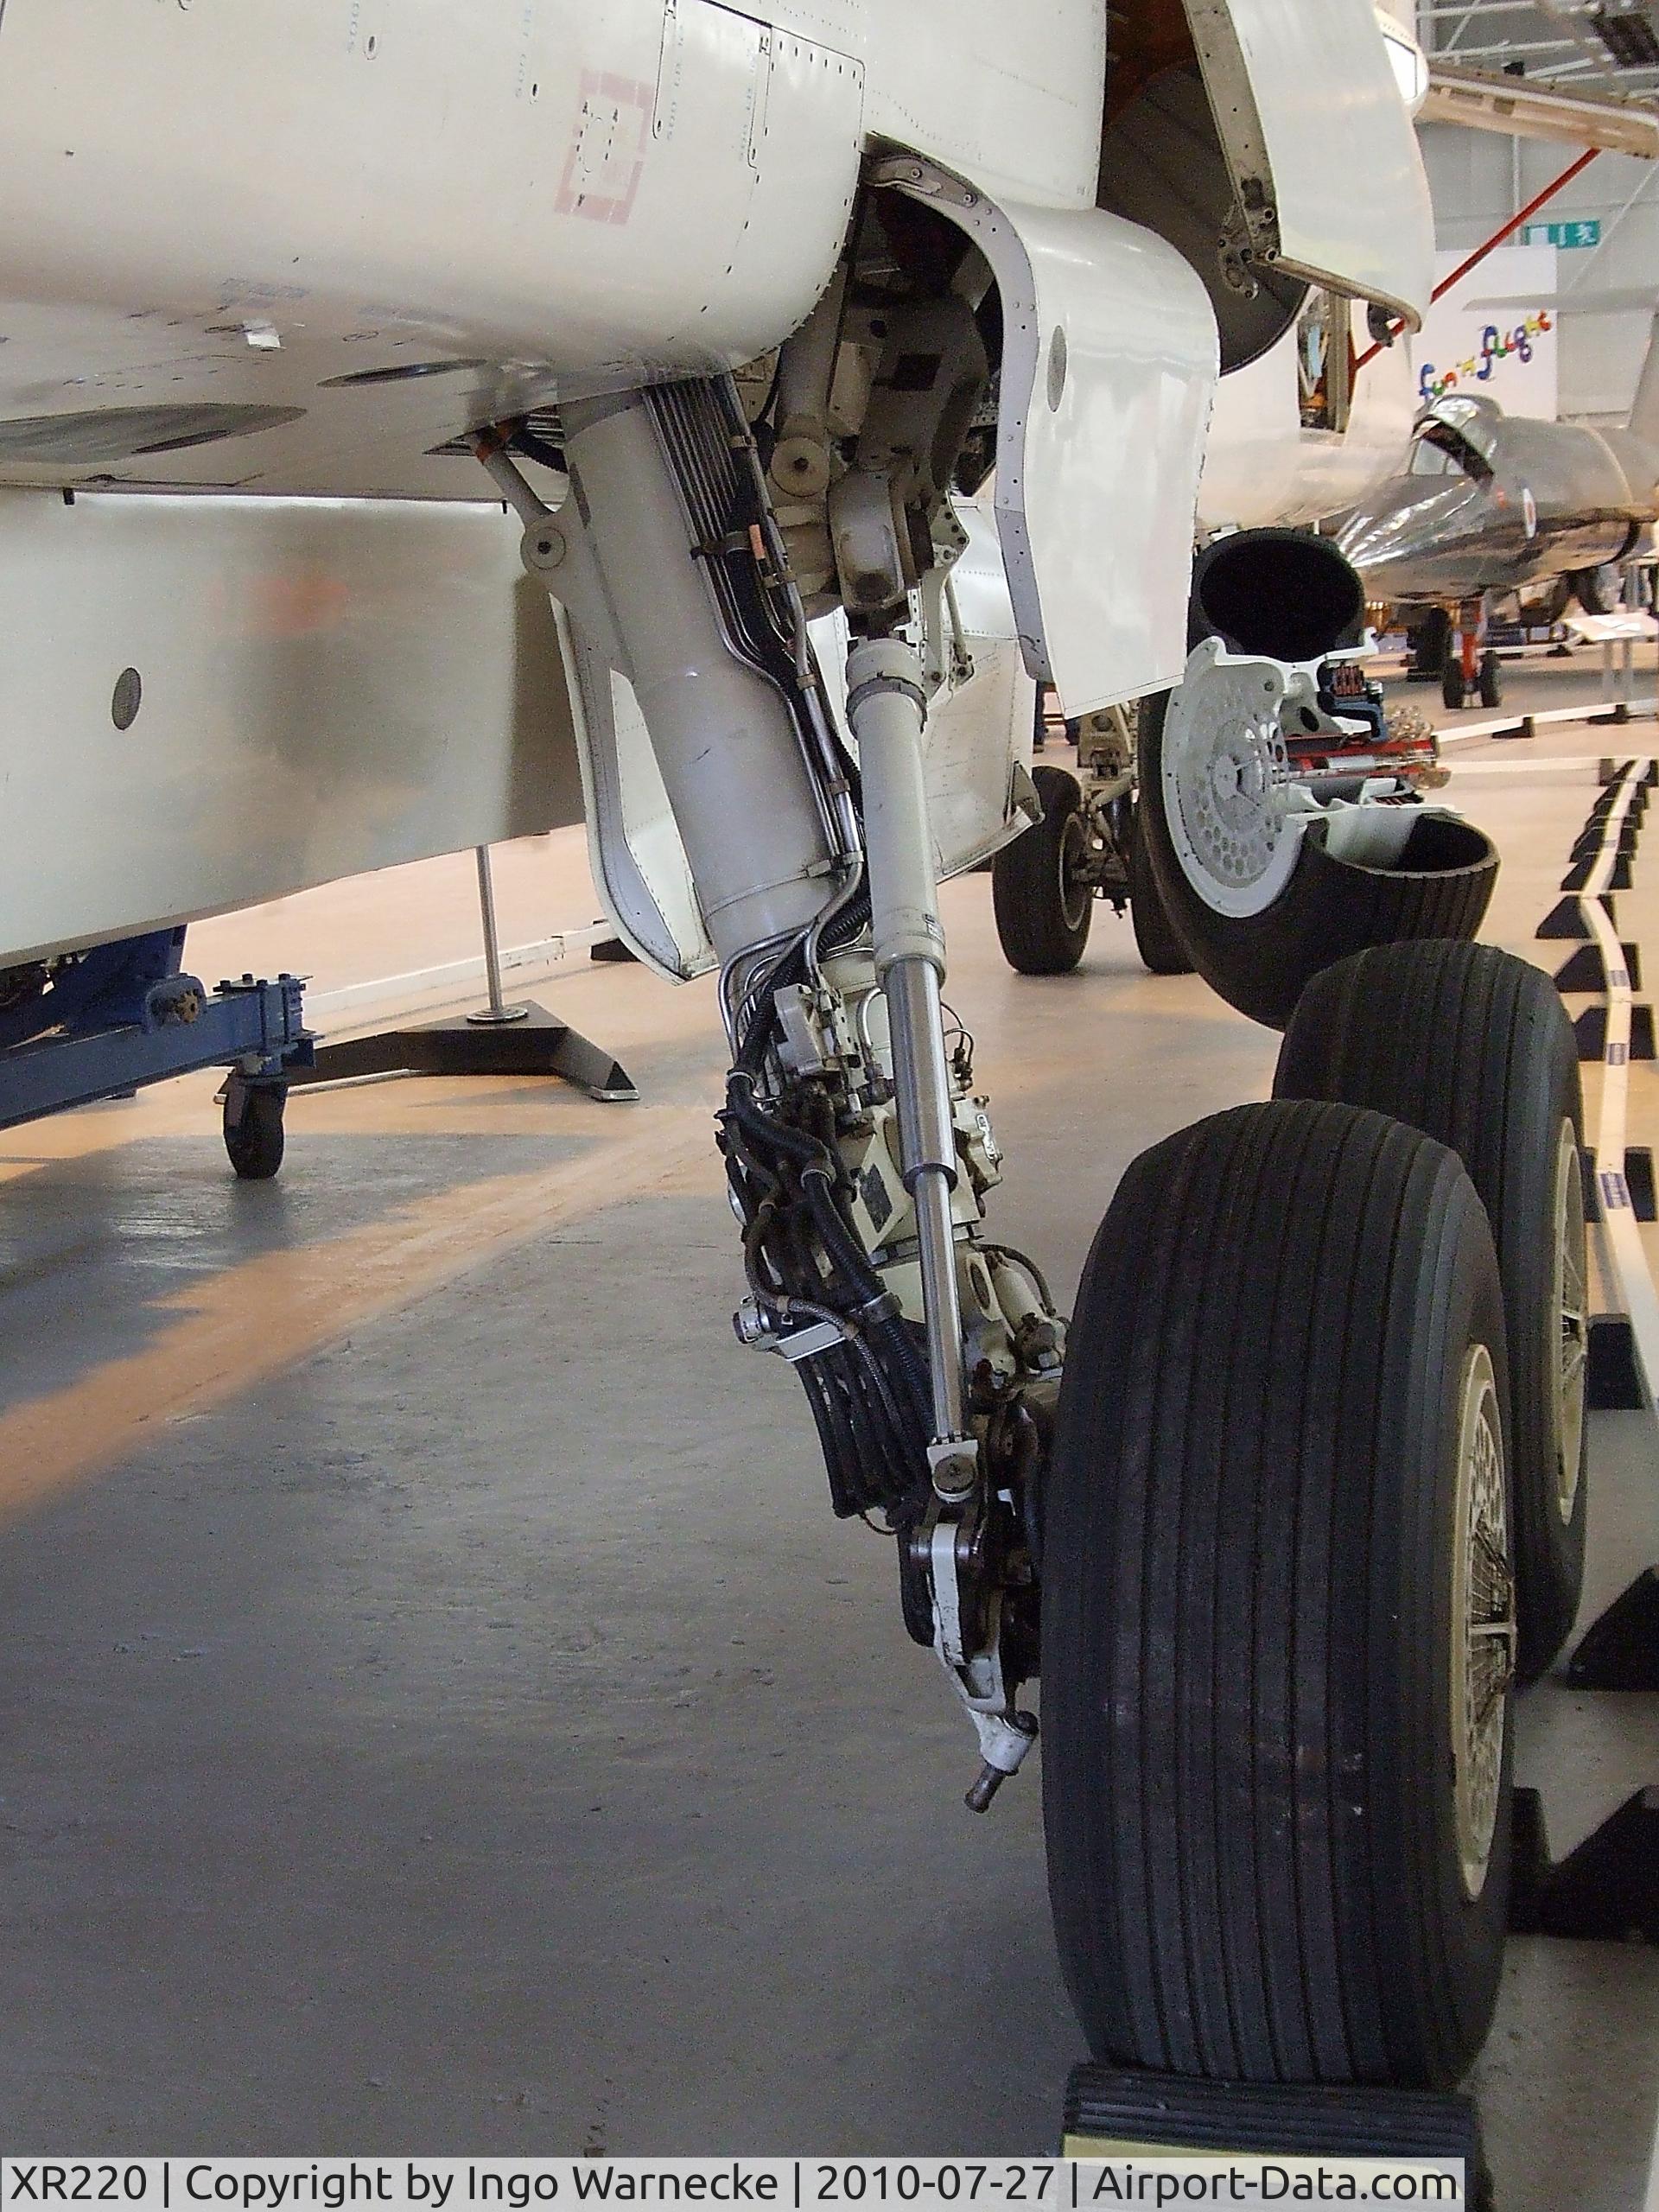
1521, 108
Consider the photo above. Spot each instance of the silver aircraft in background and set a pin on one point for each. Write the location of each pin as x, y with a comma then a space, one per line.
1493, 507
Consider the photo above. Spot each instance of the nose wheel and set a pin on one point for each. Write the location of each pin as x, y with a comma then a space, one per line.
1474, 1046
1044, 885
1161, 951
1278, 1619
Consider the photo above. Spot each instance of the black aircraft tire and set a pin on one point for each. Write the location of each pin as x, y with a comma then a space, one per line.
1271, 1857
1161, 950
1474, 1047
1597, 590
1431, 642
1453, 690
1042, 912
1491, 680
1440, 887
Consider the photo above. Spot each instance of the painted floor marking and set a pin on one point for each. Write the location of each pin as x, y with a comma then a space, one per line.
1622, 1236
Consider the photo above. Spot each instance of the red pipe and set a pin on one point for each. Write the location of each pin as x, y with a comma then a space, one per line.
1493, 243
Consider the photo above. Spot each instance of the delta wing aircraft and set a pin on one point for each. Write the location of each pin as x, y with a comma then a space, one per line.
1492, 508
737, 306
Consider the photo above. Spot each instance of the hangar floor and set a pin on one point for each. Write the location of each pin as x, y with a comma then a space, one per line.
439, 1712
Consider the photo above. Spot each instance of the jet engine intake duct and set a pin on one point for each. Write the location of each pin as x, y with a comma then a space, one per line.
1282, 595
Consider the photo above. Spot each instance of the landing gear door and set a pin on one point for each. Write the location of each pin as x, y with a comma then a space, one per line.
638, 863
1308, 104
1109, 369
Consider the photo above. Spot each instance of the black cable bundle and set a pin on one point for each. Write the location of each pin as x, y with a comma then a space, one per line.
868, 1393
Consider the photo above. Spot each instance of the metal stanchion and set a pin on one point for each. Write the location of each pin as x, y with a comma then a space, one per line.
496, 1011
496, 1040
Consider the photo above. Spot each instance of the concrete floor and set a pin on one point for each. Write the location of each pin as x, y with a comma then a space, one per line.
441, 1712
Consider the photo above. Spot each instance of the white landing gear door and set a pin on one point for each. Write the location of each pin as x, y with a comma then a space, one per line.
1110, 359
634, 847
1321, 144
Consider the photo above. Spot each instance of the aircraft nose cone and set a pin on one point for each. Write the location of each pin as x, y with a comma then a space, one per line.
1366, 539
1400, 527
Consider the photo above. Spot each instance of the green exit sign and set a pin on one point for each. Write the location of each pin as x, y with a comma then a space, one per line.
1567, 234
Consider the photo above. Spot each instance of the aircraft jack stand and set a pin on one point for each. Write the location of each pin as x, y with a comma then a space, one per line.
125, 1015
497, 1039
1111, 2112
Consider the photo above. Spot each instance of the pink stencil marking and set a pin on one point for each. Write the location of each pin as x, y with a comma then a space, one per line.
606, 157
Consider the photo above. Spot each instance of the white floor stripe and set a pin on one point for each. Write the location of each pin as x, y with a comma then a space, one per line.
1526, 765
1622, 1236
522, 962
1639, 709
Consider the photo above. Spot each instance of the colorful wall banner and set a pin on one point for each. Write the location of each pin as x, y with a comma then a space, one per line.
1484, 336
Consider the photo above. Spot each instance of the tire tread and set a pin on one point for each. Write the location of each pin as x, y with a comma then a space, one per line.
1260, 1280
1473, 1046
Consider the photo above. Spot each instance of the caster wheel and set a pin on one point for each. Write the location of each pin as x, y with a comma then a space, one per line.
1039, 889
254, 1139
1491, 680
1474, 1046
1278, 1625
1155, 940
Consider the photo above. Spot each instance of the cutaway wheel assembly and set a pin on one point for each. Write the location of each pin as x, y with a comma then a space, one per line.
1474, 1046
1041, 891
1262, 899
1278, 1620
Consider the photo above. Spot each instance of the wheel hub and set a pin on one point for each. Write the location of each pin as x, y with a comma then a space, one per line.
1226, 779
1076, 890
1227, 803
1570, 1317
1482, 1622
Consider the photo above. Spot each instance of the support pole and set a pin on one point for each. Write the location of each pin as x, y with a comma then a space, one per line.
496, 1040
1484, 252
496, 1011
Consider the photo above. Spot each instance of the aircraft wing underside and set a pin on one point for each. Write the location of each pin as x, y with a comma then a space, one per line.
305, 251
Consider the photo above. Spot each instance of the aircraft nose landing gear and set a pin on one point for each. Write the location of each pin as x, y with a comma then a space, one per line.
1252, 1516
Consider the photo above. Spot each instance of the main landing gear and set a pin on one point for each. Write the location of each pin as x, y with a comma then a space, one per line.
1281, 1514
1279, 1620
1089, 844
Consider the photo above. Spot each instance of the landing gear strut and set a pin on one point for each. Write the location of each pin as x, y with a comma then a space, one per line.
1252, 1516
